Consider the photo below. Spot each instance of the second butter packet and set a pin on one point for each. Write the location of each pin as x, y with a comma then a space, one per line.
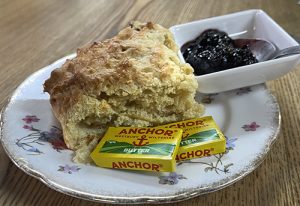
201, 137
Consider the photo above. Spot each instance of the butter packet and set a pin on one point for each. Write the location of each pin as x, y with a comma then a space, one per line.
149, 149
201, 137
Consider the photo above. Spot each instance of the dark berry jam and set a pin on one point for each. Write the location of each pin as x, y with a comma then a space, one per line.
215, 51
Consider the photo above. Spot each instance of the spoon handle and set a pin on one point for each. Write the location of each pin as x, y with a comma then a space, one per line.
288, 51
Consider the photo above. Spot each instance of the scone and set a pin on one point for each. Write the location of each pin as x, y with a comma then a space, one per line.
133, 79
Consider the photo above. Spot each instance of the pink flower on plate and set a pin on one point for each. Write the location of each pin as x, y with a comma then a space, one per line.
30, 118
28, 127
250, 127
58, 144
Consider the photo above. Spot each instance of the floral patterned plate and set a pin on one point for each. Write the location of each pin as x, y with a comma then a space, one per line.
32, 138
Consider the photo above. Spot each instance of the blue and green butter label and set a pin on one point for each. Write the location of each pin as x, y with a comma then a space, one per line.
203, 136
147, 149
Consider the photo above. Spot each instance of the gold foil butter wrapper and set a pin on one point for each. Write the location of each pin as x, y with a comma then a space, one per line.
201, 137
149, 149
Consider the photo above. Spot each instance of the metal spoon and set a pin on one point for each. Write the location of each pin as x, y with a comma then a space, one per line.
264, 50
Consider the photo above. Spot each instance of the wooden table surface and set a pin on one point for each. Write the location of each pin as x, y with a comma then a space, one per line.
35, 33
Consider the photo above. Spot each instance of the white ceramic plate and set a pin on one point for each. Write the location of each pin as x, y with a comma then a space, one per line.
30, 134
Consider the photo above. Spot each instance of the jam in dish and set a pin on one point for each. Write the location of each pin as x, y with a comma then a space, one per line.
215, 51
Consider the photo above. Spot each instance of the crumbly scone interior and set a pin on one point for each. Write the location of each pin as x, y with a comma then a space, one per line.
134, 79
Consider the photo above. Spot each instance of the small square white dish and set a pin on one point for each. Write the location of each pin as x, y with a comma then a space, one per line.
245, 24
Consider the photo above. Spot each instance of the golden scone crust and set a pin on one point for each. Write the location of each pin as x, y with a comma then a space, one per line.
132, 79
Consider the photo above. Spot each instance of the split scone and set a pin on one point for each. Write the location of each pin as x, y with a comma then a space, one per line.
133, 79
